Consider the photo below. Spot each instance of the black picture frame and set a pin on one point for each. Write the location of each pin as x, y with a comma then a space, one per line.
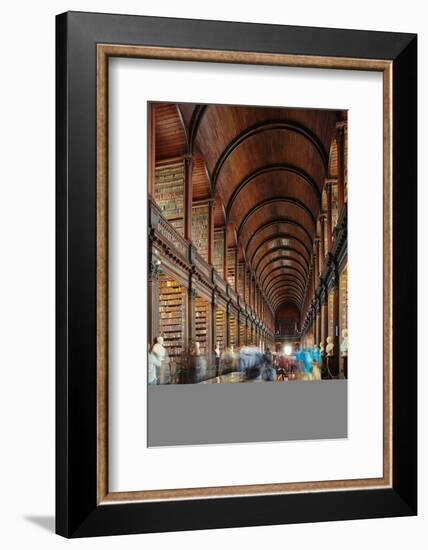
77, 512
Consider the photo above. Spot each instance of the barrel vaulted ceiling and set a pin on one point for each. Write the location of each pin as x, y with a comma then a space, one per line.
265, 168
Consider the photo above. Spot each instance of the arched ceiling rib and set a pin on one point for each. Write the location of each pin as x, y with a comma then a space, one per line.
297, 272
277, 224
265, 167
285, 297
280, 287
284, 278
295, 206
272, 170
276, 238
265, 256
285, 292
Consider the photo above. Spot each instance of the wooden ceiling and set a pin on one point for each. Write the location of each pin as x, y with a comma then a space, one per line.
265, 167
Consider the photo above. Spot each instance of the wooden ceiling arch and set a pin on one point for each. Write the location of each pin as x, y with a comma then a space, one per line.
279, 237
266, 126
265, 169
295, 270
279, 221
268, 202
280, 285
281, 298
269, 267
288, 291
279, 277
277, 249
195, 121
281, 167
284, 285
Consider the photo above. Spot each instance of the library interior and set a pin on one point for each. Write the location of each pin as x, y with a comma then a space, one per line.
247, 244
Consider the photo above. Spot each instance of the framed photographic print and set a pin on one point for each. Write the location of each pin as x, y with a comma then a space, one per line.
236, 274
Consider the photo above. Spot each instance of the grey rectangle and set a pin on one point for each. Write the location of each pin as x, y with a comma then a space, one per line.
240, 413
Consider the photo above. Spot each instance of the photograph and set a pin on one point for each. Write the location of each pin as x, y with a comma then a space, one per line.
247, 228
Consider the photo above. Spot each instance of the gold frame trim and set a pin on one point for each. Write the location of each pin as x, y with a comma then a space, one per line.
104, 51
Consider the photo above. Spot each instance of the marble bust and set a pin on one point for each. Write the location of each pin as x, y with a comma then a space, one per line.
344, 343
159, 349
330, 346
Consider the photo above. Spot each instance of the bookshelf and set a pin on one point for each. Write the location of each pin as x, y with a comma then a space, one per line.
247, 287
200, 230
220, 328
242, 334
233, 332
201, 324
241, 273
231, 257
334, 205
172, 318
343, 298
169, 193
331, 313
218, 251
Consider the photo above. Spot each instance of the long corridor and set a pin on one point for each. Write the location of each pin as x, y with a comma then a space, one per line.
247, 244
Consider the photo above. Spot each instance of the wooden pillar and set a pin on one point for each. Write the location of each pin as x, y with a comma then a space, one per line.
211, 206
254, 293
191, 298
318, 255
249, 290
227, 326
244, 283
322, 239
151, 150
153, 300
314, 273
336, 322
340, 140
225, 253
188, 165
329, 222
213, 325
236, 270
324, 315
256, 301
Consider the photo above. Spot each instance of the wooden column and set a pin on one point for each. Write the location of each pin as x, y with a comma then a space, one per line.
318, 321
152, 150
211, 206
322, 239
254, 293
324, 314
227, 326
329, 222
336, 319
225, 254
188, 164
153, 299
256, 301
319, 264
213, 325
340, 140
236, 270
191, 298
249, 288
314, 273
